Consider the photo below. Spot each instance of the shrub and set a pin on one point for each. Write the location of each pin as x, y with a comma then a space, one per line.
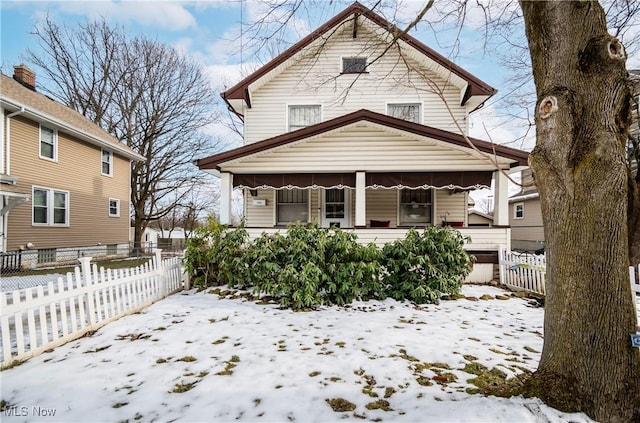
313, 265
424, 266
213, 254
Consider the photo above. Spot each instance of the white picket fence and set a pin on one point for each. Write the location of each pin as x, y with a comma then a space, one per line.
34, 320
527, 271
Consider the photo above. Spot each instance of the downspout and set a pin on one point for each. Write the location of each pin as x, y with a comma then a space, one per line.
7, 169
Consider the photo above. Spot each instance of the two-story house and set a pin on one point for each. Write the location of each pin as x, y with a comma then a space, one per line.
65, 182
361, 126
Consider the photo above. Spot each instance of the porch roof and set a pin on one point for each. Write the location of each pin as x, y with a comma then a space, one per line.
260, 157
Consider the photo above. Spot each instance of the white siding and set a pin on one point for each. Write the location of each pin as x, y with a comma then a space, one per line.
260, 216
482, 239
453, 206
364, 146
316, 79
382, 204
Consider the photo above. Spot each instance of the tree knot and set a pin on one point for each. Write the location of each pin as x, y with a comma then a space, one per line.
547, 106
616, 50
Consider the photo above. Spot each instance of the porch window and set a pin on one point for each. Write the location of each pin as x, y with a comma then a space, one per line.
292, 206
302, 116
405, 111
415, 207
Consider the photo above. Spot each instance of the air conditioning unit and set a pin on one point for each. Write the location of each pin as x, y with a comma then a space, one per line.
259, 202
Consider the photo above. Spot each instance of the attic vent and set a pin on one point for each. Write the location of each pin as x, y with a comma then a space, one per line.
354, 64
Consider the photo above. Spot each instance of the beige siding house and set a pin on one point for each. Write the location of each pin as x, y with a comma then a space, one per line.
65, 181
525, 217
340, 130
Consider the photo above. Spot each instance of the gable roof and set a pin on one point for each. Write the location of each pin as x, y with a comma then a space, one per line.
475, 86
213, 162
38, 107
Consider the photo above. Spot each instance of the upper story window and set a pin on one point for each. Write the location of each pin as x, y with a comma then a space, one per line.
518, 211
415, 207
107, 162
292, 206
114, 207
303, 115
48, 143
50, 207
354, 64
405, 111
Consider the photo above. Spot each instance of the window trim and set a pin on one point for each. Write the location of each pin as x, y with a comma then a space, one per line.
54, 138
342, 68
420, 104
288, 112
429, 206
117, 214
50, 208
102, 151
515, 210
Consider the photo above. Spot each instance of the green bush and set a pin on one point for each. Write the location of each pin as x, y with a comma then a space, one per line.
214, 254
313, 265
310, 265
424, 266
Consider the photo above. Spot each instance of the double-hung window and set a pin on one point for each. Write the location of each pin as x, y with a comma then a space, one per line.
292, 206
415, 207
50, 207
518, 211
48, 143
301, 116
405, 111
114, 207
107, 163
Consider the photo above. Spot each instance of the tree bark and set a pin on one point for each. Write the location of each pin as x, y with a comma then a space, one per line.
582, 119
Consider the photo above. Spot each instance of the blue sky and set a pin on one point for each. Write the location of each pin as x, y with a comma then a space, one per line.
209, 32
204, 29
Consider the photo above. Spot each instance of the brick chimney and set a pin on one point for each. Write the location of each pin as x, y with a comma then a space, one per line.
25, 76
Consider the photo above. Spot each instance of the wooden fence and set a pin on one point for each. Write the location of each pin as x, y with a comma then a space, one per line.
37, 319
527, 272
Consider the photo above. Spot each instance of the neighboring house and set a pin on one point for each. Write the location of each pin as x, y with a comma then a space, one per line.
65, 181
477, 218
174, 239
525, 216
338, 130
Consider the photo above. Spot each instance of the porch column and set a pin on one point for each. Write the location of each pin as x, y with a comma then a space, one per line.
361, 200
226, 188
501, 199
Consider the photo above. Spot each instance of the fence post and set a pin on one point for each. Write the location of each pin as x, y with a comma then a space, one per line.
162, 280
85, 268
501, 258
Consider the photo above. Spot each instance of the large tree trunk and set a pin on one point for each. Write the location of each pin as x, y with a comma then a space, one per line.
582, 115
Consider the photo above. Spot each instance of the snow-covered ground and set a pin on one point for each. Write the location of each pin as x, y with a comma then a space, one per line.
195, 357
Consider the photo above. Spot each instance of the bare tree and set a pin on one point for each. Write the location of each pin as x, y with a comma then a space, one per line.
589, 192
144, 93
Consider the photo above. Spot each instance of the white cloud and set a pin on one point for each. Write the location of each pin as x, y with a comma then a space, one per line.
167, 15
